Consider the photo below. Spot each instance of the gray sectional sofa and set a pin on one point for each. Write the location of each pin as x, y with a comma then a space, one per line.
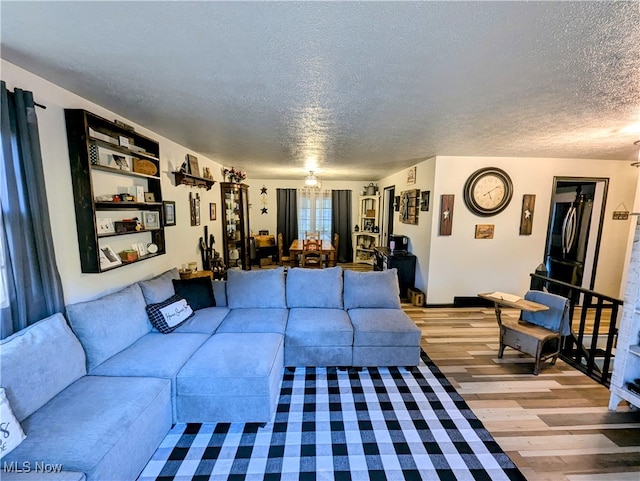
97, 395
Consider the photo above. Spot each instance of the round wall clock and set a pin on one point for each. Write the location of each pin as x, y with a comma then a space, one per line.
488, 191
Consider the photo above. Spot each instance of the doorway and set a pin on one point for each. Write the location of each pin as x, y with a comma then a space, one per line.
388, 206
575, 227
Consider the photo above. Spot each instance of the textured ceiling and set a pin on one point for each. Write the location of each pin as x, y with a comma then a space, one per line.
363, 89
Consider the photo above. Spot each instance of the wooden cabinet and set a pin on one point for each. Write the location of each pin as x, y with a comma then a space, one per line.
626, 367
405, 264
235, 224
115, 174
367, 237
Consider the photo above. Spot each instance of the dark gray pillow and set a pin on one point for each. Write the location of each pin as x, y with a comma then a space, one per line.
198, 292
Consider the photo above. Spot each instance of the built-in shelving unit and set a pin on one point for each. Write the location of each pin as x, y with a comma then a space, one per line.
626, 367
108, 161
367, 237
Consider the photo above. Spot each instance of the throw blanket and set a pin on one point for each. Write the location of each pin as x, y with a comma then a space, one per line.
556, 318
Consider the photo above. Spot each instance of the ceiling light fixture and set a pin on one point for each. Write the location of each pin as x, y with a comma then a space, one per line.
637, 162
311, 180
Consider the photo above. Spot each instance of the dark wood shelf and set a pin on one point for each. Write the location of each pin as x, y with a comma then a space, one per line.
123, 150
126, 205
115, 234
123, 172
193, 180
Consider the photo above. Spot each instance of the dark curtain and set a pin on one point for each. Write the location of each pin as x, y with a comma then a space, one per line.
32, 279
341, 223
287, 213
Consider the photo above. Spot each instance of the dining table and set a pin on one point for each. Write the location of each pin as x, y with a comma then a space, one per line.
327, 249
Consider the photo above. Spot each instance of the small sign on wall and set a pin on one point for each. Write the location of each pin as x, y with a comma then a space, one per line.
621, 214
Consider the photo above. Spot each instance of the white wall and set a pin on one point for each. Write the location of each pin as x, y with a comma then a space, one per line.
463, 266
420, 234
269, 221
182, 244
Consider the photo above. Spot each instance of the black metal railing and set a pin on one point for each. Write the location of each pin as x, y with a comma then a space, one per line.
592, 358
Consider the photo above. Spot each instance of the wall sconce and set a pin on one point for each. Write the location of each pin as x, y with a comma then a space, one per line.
637, 162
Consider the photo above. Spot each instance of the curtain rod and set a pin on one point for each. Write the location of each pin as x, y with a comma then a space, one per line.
39, 105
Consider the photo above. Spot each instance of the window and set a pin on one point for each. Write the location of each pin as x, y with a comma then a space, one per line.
314, 212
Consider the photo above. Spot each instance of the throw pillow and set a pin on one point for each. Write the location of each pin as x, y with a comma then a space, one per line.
11, 434
168, 315
198, 292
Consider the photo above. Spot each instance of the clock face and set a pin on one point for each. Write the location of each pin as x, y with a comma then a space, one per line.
488, 191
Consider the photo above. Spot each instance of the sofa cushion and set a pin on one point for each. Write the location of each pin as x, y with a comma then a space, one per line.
160, 287
318, 327
204, 321
371, 289
315, 288
107, 325
106, 427
257, 289
154, 355
383, 327
255, 320
168, 315
197, 291
220, 292
38, 362
12, 434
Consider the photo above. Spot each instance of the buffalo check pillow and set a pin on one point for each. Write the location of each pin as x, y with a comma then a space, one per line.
166, 316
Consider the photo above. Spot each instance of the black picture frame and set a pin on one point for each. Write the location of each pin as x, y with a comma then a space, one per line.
169, 211
424, 200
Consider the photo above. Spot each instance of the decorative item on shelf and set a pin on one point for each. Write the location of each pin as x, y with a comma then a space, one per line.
129, 255
121, 162
140, 248
124, 126
371, 189
151, 220
234, 175
128, 225
194, 203
194, 168
94, 156
108, 258
105, 226
149, 197
206, 173
356, 228
144, 166
376, 229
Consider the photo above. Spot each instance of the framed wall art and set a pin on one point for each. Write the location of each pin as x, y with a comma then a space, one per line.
212, 211
151, 220
526, 216
446, 213
194, 203
484, 231
411, 175
169, 208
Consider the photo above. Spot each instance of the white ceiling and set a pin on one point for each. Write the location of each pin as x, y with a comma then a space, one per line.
364, 88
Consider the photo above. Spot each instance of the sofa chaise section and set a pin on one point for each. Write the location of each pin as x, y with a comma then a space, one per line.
104, 427
383, 335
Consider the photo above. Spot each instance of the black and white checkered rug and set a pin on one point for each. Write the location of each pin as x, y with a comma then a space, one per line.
378, 424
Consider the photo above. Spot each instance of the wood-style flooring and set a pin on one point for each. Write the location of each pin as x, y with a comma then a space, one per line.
554, 426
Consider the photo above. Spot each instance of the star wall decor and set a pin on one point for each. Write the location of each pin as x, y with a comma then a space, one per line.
263, 200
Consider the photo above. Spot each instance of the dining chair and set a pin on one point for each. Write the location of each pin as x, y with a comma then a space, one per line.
311, 256
312, 235
282, 259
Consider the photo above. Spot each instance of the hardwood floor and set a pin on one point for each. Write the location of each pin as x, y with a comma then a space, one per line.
554, 426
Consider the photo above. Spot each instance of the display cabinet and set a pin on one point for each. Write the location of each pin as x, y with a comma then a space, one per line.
625, 379
367, 237
235, 224
115, 176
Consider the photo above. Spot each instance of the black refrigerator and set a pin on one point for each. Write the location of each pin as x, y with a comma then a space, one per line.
567, 243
